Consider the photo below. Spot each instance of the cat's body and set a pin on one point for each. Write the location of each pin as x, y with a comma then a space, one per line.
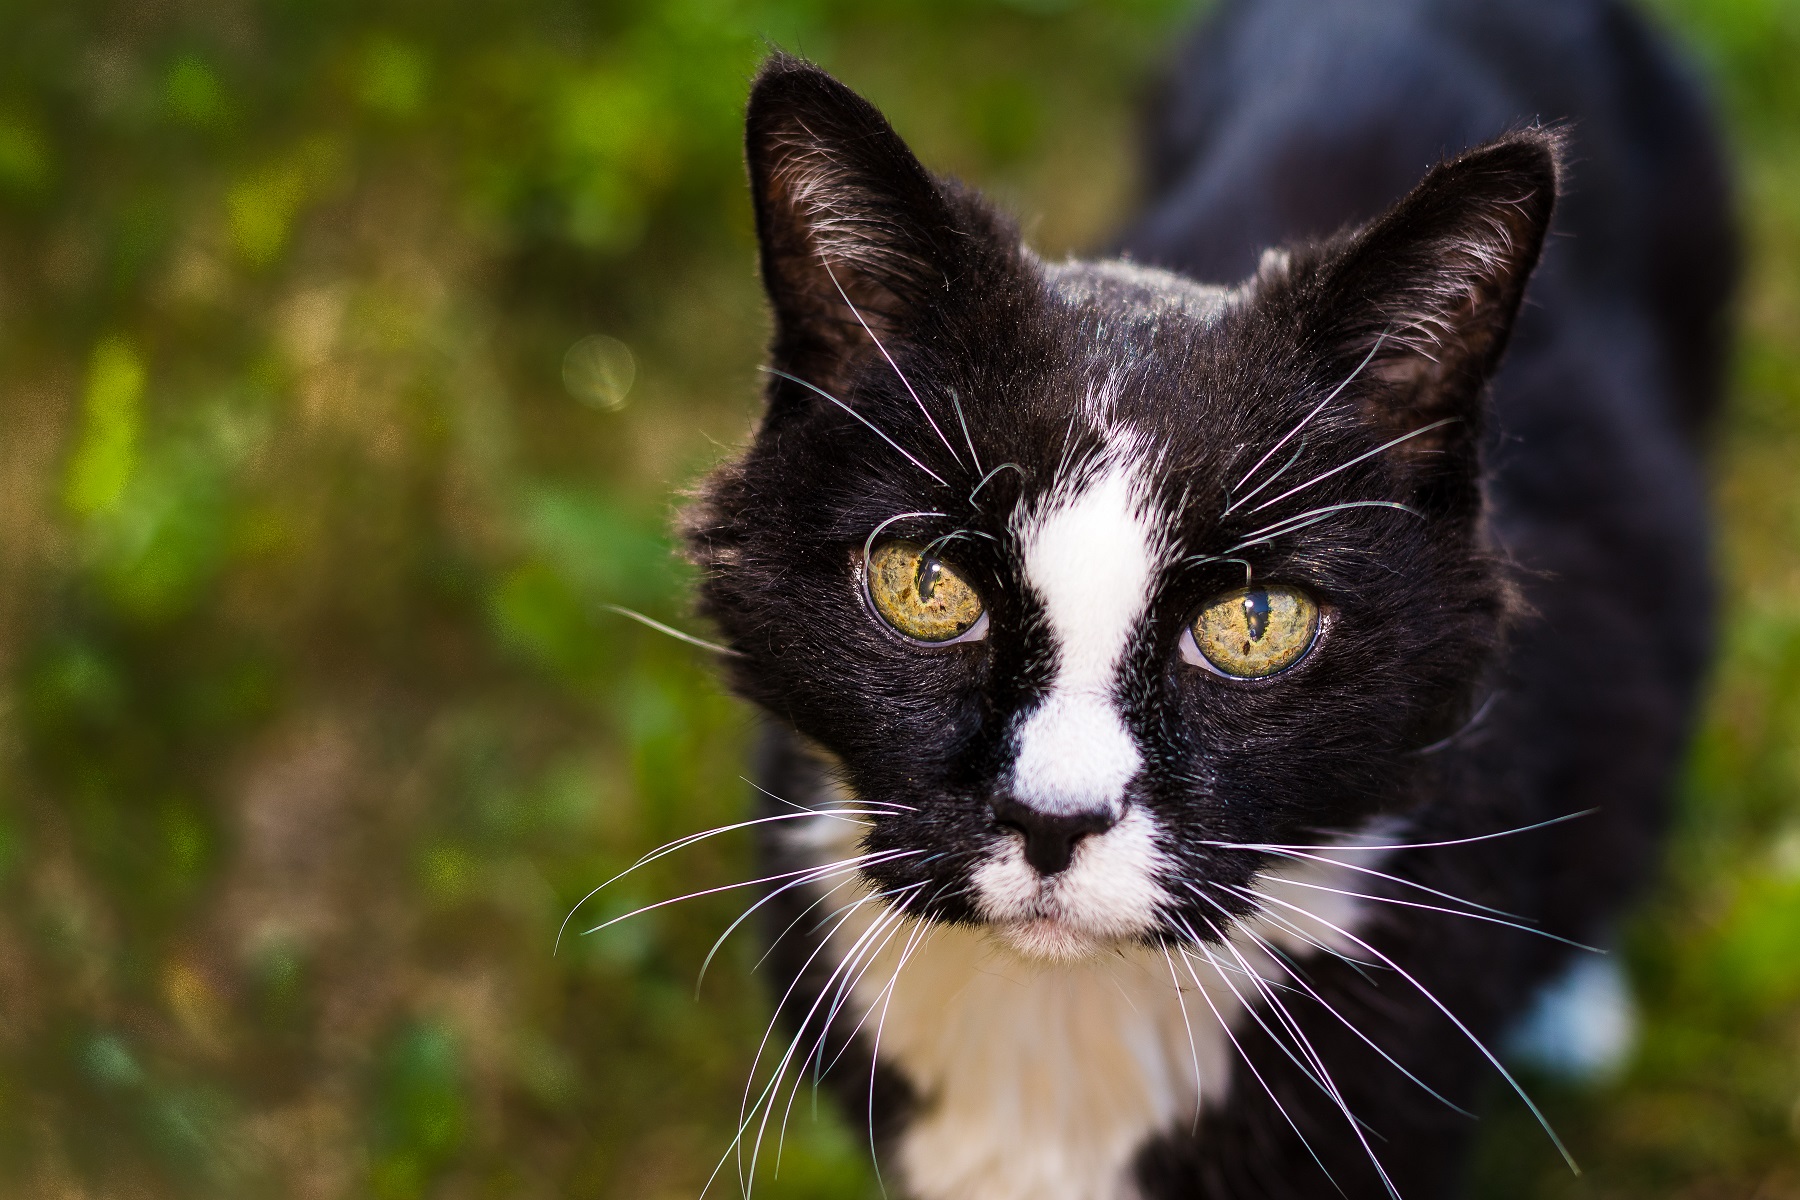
1131, 979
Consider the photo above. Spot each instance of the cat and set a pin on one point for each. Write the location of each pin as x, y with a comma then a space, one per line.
1210, 691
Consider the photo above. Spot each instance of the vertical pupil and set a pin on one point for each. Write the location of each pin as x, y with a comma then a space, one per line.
1256, 614
930, 571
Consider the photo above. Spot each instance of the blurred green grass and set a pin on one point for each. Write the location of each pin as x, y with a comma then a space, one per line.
315, 475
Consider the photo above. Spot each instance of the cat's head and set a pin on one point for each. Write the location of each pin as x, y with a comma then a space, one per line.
1083, 572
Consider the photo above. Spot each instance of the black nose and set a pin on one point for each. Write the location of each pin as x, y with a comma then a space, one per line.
1049, 837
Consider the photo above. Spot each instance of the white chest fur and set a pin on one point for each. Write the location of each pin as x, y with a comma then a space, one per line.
1040, 1080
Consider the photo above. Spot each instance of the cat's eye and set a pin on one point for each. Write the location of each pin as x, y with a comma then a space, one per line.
922, 597
1253, 632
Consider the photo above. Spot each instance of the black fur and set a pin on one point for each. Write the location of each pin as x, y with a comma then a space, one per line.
1550, 575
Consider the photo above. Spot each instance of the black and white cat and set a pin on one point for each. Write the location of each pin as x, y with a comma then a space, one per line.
1186, 684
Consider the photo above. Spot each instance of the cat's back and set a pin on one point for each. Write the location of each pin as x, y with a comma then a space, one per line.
1289, 119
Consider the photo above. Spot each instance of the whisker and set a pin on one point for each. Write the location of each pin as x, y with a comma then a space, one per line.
869, 542
871, 426
1200, 560
1344, 466
730, 887
1480, 837
985, 478
890, 360
857, 800
682, 843
1271, 948
1249, 1008
1281, 852
1295, 931
866, 948
801, 916
817, 1054
1441, 1007
1276, 474
931, 546
746, 1110
843, 965
1454, 912
1304, 421
1282, 526
874, 1062
822, 874
1193, 1047
677, 634
1302, 1042
956, 403
1251, 1066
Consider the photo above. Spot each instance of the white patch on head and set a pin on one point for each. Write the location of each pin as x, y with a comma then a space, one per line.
1041, 1078
1091, 555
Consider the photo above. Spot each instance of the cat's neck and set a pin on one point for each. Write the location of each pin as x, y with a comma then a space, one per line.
1039, 1080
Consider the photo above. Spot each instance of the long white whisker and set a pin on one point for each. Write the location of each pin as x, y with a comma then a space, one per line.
990, 475
747, 1111
731, 887
890, 922
843, 965
682, 843
1344, 466
875, 1061
671, 631
1454, 912
956, 403
856, 800
1193, 1047
1304, 421
1331, 1089
1371, 871
1243, 1054
1249, 1008
820, 1066
1277, 473
869, 542
1481, 837
1441, 1007
1306, 937
846, 988
1270, 948
890, 360
901, 450
1288, 523
820, 875
801, 916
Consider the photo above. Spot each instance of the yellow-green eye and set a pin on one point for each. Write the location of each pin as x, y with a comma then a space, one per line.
921, 596
1254, 632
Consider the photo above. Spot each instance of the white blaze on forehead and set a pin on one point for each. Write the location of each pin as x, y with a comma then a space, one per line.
1091, 556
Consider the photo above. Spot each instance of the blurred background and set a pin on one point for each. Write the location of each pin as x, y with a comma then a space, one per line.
352, 356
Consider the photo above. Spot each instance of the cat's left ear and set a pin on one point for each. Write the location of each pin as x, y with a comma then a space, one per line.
1425, 297
858, 239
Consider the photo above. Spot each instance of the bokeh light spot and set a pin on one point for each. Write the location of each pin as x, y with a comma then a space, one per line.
599, 371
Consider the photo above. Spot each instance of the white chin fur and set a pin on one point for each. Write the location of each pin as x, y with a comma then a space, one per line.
1108, 894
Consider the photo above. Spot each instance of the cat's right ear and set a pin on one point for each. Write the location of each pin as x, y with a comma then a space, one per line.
857, 238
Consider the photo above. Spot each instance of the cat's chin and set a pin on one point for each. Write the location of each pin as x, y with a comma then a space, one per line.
1047, 939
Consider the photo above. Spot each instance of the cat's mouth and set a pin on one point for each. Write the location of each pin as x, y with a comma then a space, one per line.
1109, 894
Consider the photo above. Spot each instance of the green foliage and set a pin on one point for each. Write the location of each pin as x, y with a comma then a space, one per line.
353, 356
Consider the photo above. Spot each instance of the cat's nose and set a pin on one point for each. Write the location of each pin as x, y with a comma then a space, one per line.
1050, 838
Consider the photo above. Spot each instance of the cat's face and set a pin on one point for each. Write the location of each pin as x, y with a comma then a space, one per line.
1085, 573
